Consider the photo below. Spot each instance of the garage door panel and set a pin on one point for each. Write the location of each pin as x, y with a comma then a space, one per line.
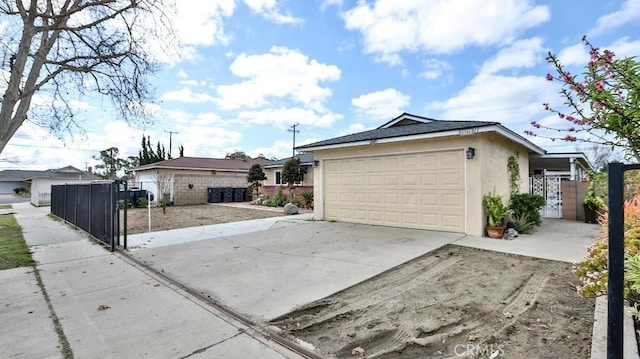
425, 190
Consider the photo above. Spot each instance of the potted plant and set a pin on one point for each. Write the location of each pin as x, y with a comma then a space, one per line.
592, 203
497, 212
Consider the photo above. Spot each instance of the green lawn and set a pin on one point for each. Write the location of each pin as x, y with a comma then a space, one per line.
5, 206
13, 249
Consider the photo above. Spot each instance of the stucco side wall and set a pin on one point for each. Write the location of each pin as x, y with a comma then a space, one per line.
493, 153
459, 143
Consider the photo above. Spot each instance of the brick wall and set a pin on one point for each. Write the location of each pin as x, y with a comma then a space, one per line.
183, 195
572, 197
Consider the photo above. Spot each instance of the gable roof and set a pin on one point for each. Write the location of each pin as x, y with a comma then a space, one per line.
306, 159
68, 172
203, 163
409, 127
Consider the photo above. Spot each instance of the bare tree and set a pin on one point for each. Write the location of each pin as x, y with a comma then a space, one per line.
56, 51
600, 156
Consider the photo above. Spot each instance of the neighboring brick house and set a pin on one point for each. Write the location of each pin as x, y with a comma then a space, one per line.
185, 180
273, 170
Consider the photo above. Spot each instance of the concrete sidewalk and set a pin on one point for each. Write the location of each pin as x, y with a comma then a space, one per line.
108, 308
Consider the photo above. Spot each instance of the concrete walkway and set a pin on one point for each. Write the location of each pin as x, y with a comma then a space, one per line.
106, 307
556, 239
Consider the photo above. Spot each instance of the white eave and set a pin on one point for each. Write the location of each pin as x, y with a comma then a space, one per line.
188, 168
458, 132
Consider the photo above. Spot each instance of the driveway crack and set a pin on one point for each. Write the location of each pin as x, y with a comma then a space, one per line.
204, 349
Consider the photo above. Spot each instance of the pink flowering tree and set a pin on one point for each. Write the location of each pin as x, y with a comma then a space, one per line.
602, 104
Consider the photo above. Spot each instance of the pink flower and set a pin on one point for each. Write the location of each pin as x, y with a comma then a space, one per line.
549, 77
598, 104
571, 129
561, 115
569, 138
599, 85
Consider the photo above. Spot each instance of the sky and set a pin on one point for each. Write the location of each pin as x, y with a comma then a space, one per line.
247, 70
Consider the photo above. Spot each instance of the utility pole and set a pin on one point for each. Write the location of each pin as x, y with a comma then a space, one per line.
293, 129
170, 133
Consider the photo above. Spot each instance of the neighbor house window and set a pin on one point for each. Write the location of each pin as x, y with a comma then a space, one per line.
278, 179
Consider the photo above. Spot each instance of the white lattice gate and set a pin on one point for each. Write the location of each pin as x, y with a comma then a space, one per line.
550, 188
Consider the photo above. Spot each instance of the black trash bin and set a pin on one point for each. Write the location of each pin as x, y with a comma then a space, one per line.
228, 194
247, 195
238, 194
215, 195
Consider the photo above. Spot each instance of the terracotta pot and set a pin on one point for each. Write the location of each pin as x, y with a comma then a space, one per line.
495, 232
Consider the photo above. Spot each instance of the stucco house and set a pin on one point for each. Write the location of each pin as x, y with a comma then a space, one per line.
39, 183
417, 172
273, 171
185, 180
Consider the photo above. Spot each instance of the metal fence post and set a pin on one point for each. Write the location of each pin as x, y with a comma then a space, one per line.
615, 289
126, 205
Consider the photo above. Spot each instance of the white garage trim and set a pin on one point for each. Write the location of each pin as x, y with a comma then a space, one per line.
420, 189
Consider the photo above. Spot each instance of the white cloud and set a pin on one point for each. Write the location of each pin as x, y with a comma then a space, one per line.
183, 74
380, 105
625, 48
326, 3
629, 11
390, 27
574, 55
434, 68
513, 101
283, 117
186, 95
280, 74
270, 11
523, 53
577, 54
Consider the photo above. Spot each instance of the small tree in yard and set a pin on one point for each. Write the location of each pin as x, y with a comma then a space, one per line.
603, 105
256, 174
293, 172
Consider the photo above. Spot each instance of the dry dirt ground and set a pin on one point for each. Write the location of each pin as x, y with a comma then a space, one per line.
189, 216
451, 303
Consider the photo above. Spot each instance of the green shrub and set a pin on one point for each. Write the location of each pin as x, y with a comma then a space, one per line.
278, 199
527, 204
522, 223
142, 202
307, 197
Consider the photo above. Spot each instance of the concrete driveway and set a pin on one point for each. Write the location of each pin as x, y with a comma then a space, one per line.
275, 265
268, 273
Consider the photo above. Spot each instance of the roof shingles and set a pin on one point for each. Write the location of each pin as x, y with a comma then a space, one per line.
400, 131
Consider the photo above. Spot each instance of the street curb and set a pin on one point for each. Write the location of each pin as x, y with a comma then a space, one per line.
599, 337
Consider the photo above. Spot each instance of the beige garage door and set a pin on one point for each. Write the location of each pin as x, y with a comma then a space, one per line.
421, 190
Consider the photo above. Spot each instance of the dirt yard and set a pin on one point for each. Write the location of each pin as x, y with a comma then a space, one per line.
451, 303
189, 216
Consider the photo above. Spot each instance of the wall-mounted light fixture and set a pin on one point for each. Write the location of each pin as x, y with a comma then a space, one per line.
190, 185
316, 163
471, 152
